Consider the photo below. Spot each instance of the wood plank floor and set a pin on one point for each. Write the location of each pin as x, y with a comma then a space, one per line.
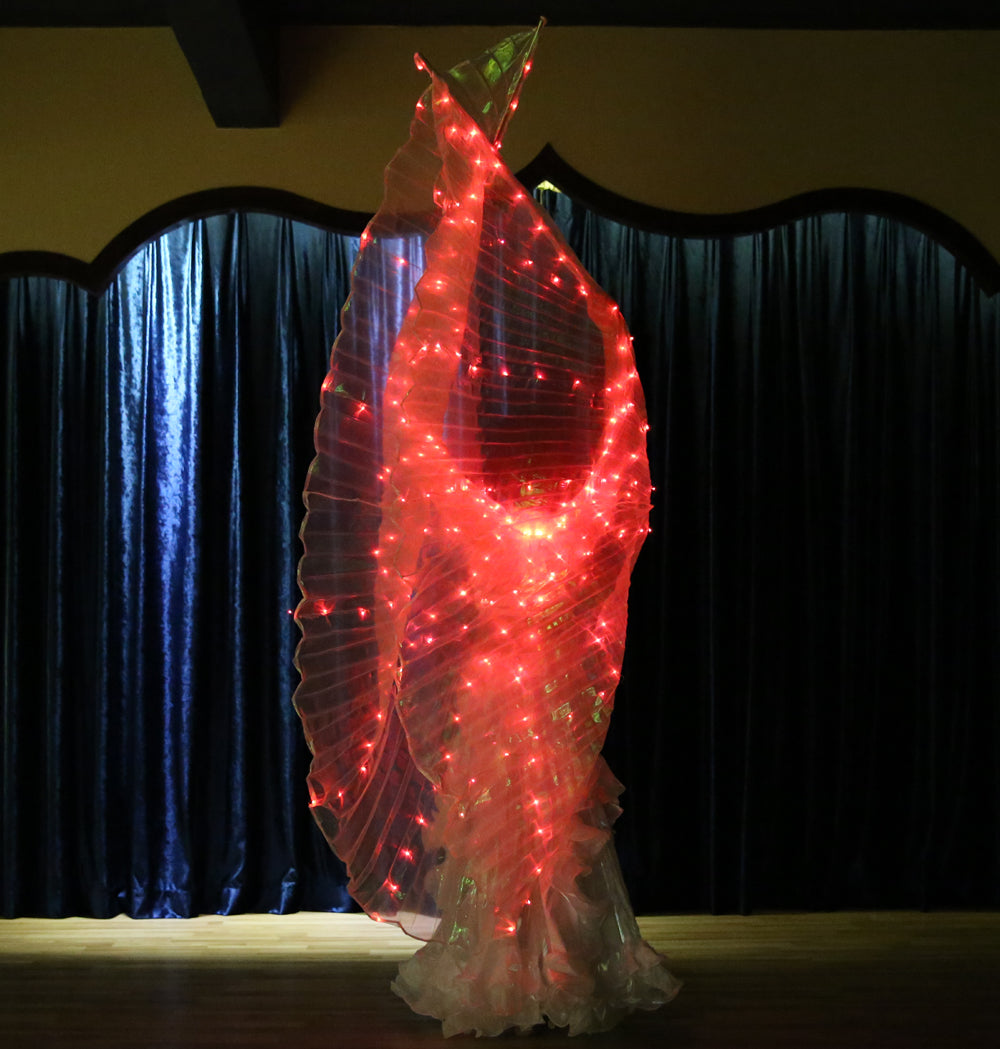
320, 981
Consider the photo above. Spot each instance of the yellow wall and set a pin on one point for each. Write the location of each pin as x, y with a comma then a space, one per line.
99, 126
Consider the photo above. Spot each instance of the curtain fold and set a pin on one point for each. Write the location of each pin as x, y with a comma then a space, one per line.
155, 440
808, 712
809, 717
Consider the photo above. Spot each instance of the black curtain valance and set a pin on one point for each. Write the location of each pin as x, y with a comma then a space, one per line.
548, 167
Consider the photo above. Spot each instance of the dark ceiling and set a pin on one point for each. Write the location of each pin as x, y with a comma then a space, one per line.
787, 14
232, 46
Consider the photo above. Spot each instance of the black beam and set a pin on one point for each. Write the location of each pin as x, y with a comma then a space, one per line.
751, 14
74, 14
232, 48
736, 14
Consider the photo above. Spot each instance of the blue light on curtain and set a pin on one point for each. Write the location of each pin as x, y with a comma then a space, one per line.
807, 716
155, 439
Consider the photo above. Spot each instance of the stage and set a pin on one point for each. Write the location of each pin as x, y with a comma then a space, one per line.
887, 980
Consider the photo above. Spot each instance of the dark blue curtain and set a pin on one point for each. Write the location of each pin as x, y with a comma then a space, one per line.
808, 716
154, 443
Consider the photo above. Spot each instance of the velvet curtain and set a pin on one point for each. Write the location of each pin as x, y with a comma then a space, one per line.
155, 442
808, 713
809, 716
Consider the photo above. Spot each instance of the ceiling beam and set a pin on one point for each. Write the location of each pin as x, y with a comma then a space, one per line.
748, 14
755, 14
232, 49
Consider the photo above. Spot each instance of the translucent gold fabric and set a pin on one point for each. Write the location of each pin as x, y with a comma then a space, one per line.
478, 498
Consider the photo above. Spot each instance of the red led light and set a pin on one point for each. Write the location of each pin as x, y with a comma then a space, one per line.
479, 496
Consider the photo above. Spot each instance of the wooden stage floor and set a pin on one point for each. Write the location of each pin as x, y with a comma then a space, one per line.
885, 980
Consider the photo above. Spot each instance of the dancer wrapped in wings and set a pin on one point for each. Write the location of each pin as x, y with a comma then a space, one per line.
478, 498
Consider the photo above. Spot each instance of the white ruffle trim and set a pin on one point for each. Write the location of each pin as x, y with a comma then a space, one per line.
477, 995
580, 964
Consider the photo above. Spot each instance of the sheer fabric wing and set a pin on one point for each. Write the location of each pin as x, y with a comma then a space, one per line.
368, 795
478, 499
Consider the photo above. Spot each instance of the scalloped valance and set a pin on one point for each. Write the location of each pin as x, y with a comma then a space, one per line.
694, 131
548, 166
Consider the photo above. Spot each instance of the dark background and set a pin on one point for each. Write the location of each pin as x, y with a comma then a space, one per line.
807, 717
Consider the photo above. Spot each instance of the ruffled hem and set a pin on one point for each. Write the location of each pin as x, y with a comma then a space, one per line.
438, 979
583, 967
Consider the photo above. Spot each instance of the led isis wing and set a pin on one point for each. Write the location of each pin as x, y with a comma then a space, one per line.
478, 498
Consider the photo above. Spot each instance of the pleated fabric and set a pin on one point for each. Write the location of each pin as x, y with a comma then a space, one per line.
478, 498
